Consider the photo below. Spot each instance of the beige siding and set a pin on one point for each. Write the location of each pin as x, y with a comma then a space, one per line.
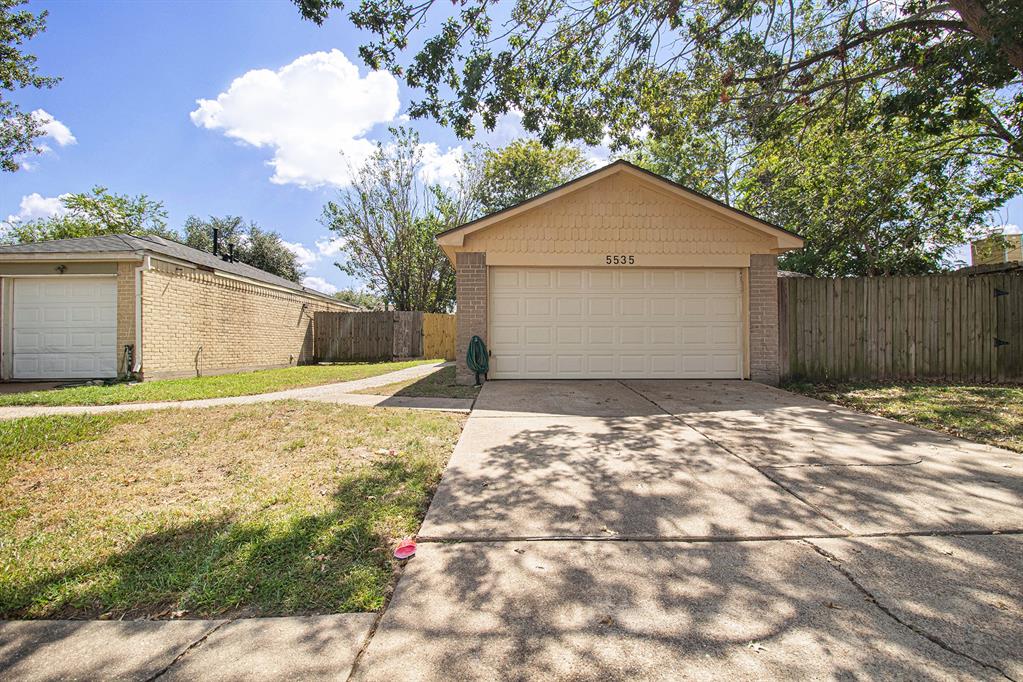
620, 214
196, 322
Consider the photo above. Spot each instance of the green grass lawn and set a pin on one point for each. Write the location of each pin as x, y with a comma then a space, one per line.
220, 386
268, 509
440, 384
982, 413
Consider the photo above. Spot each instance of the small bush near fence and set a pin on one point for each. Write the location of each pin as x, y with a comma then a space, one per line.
390, 335
961, 327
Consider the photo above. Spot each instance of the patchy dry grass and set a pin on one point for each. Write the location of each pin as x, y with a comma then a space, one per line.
219, 386
275, 508
440, 384
982, 413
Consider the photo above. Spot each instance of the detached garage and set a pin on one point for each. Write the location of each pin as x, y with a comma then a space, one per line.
620, 274
120, 305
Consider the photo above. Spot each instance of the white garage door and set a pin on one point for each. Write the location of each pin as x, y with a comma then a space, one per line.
615, 323
64, 328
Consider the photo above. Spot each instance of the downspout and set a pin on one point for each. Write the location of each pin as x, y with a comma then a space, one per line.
146, 265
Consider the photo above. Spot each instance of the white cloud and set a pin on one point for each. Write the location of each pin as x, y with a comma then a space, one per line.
1010, 228
306, 257
440, 168
330, 246
309, 112
320, 284
53, 129
35, 205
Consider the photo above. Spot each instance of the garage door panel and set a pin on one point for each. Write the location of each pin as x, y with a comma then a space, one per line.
632, 336
602, 306
538, 307
570, 306
538, 279
64, 328
599, 280
538, 336
616, 322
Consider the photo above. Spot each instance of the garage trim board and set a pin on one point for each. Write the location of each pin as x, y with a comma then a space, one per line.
598, 323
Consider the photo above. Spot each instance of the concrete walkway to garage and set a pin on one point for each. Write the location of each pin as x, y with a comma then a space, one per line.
342, 393
667, 529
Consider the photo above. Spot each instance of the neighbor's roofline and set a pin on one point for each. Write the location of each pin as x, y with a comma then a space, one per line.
515, 209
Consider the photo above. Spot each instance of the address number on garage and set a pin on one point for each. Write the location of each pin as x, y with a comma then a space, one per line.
620, 259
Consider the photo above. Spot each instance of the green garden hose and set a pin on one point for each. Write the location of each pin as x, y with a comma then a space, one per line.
477, 358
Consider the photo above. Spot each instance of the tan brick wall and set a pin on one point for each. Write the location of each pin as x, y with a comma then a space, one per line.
471, 313
196, 322
125, 313
763, 318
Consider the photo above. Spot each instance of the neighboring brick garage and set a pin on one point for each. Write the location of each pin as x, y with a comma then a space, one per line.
620, 274
105, 307
209, 323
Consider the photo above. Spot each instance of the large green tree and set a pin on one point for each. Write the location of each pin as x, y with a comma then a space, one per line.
363, 299
95, 213
580, 70
253, 245
523, 169
18, 129
388, 219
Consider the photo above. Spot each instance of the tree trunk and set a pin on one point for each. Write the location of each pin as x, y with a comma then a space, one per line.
978, 20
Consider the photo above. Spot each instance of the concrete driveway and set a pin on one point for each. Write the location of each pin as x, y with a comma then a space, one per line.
672, 529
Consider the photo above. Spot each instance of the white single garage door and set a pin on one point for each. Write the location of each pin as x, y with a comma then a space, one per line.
64, 328
568, 323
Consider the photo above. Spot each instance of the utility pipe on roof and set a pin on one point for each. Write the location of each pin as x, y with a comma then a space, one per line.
146, 265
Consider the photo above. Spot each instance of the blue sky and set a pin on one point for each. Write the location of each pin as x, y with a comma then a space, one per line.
132, 74
217, 108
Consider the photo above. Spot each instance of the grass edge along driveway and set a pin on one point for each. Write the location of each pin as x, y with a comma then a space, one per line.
279, 508
984, 413
213, 386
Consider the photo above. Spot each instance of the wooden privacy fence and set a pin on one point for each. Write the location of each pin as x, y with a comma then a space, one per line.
388, 335
963, 327
438, 336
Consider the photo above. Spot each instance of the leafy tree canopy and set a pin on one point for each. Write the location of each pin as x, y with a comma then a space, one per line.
363, 299
523, 169
95, 213
254, 245
871, 195
583, 70
18, 129
388, 220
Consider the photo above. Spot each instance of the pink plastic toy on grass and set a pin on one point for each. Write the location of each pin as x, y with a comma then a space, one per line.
406, 548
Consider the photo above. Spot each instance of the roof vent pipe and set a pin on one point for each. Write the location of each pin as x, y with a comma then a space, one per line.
230, 252
216, 242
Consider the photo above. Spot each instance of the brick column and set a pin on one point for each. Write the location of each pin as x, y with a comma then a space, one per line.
763, 318
471, 311
125, 312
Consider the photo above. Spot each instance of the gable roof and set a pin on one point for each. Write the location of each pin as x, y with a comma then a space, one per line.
454, 236
154, 245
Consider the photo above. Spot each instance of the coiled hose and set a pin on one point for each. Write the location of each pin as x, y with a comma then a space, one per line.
477, 358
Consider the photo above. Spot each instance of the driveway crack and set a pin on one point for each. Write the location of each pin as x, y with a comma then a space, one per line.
813, 465
744, 460
835, 563
193, 645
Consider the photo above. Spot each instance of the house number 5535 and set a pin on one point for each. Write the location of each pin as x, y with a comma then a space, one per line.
620, 260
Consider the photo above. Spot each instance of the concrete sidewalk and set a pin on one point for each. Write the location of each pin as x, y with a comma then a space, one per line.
314, 647
341, 393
